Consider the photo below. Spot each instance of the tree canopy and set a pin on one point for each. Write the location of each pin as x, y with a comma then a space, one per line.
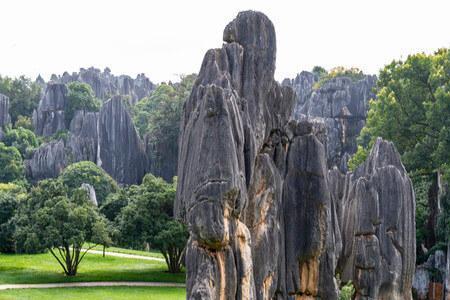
81, 97
87, 172
11, 165
62, 224
23, 139
24, 95
147, 221
158, 118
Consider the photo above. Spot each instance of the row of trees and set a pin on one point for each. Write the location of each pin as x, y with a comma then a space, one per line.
57, 216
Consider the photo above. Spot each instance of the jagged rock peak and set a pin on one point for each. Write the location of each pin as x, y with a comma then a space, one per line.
49, 118
106, 85
237, 151
378, 226
121, 152
342, 103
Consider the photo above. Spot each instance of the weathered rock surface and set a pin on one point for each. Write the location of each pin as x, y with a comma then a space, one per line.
378, 223
47, 161
342, 104
106, 85
83, 137
90, 192
121, 152
236, 150
48, 118
107, 138
267, 220
4, 113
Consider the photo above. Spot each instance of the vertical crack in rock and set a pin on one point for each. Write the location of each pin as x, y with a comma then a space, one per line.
49, 117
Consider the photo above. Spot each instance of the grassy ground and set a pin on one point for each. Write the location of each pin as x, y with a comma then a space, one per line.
97, 293
43, 268
151, 253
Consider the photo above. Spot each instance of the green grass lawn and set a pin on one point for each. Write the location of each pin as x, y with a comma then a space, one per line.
151, 253
43, 268
97, 293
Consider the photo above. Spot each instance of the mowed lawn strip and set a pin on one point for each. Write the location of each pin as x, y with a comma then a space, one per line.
151, 253
43, 268
110, 293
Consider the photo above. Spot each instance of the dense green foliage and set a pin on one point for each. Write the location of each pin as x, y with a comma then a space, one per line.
158, 117
114, 203
80, 97
61, 223
412, 109
23, 139
24, 122
171, 241
11, 165
146, 222
24, 95
8, 204
347, 291
87, 172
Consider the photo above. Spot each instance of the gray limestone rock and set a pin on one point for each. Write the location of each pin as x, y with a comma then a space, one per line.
107, 138
105, 84
90, 192
83, 136
378, 222
48, 118
121, 153
241, 163
342, 104
47, 161
267, 220
4, 113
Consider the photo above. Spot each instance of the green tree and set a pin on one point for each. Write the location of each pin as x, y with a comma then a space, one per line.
24, 122
80, 97
87, 172
24, 95
62, 224
171, 241
23, 139
158, 118
10, 164
8, 207
114, 203
147, 221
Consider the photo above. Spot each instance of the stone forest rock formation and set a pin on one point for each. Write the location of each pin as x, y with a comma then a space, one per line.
4, 113
105, 84
48, 118
341, 103
107, 138
267, 220
378, 226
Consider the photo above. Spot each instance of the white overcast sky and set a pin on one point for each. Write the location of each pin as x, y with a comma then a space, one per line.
166, 38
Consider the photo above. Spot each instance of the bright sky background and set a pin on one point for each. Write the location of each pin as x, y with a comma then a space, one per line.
165, 38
